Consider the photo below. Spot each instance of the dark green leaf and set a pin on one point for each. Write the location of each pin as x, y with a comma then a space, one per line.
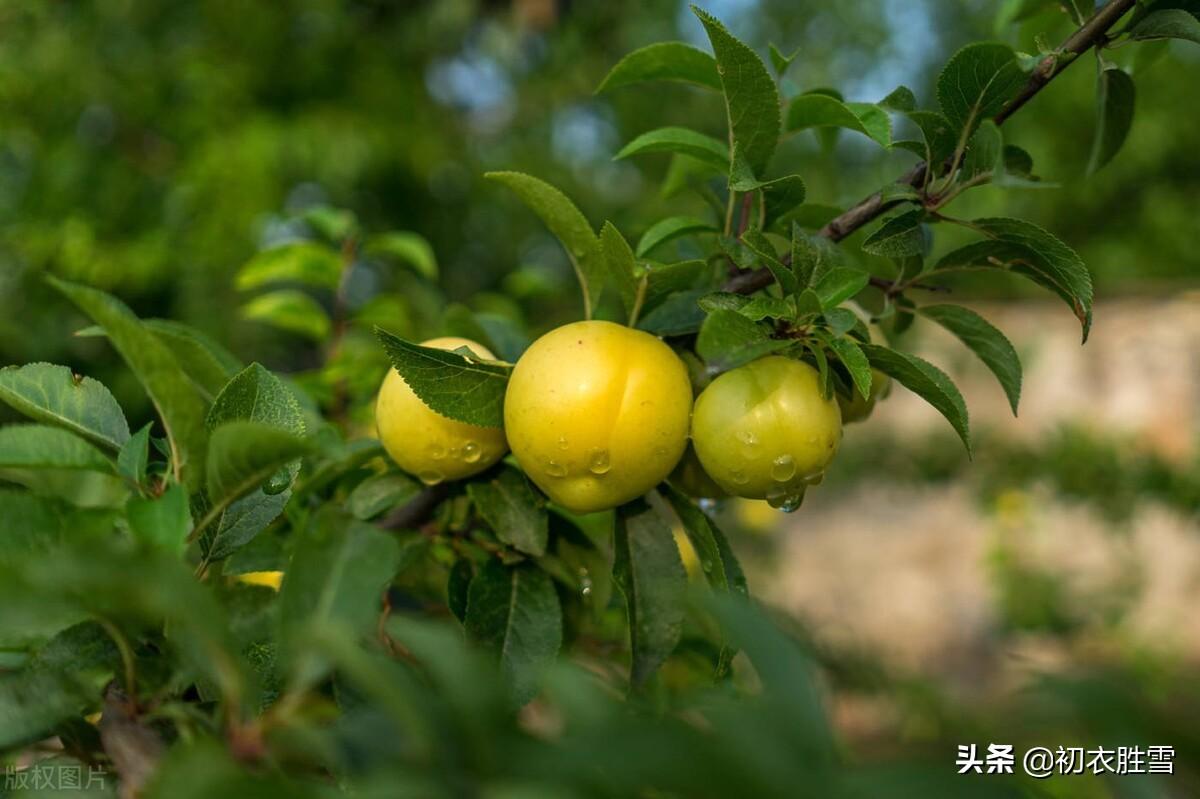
621, 265
515, 612
840, 284
652, 579
163, 521
822, 111
938, 134
977, 82
450, 383
724, 572
781, 196
380, 493
985, 153
751, 99
762, 247
856, 363
1167, 23
986, 341
900, 99
926, 381
780, 61
678, 314
513, 511
806, 258
1114, 109
206, 362
568, 224
728, 340
35, 446
243, 455
664, 61
134, 457
679, 140
898, 236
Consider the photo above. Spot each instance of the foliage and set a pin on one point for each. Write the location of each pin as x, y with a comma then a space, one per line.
472, 636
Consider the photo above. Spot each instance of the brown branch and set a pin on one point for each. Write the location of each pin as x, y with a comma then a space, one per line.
1093, 33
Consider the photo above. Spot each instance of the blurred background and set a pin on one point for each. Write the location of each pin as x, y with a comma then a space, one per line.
153, 148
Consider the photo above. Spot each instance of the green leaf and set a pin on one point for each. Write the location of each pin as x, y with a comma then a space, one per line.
35, 446
822, 111
206, 362
806, 258
458, 586
728, 340
568, 224
289, 310
855, 361
337, 575
780, 61
404, 247
334, 224
678, 314
663, 280
673, 61
986, 341
134, 457
937, 133
450, 383
781, 196
977, 82
711, 545
178, 405
1027, 249
515, 612
1114, 110
513, 511
761, 246
900, 99
840, 284
621, 266
308, 262
751, 99
669, 229
163, 521
1167, 23
243, 455
380, 493
679, 140
985, 154
53, 395
650, 575
926, 381
898, 236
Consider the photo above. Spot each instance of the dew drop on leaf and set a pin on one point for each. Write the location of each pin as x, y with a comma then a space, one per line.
278, 482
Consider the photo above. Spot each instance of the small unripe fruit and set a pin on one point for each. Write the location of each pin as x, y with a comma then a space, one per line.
424, 443
597, 414
765, 431
856, 409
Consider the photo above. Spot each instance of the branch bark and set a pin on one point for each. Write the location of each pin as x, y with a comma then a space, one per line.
1093, 33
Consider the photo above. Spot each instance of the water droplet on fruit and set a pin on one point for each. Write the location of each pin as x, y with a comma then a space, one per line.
812, 439
815, 479
431, 477
470, 452
783, 469
786, 498
747, 438
556, 469
598, 462
585, 582
739, 477
436, 451
562, 442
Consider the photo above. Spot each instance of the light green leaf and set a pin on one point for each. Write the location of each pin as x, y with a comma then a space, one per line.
780, 61
52, 394
761, 246
1114, 110
451, 384
289, 310
673, 61
986, 341
307, 262
513, 511
977, 82
728, 340
404, 247
163, 521
822, 111
35, 446
652, 579
380, 493
134, 456
855, 361
205, 361
926, 381
334, 224
898, 236
568, 224
679, 140
670, 229
621, 268
515, 612
1167, 23
179, 406
840, 284
751, 99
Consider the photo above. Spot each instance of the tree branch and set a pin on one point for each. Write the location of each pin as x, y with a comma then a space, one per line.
1093, 33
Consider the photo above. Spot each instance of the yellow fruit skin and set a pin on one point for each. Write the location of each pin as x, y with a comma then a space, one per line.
597, 414
424, 443
856, 409
268, 579
763, 430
